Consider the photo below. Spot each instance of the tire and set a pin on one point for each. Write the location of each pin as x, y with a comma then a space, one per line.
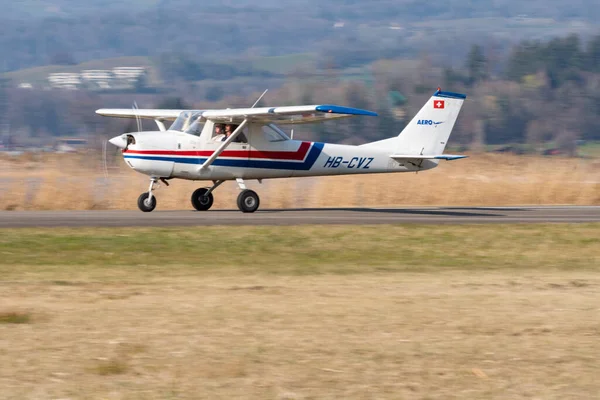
248, 201
200, 201
144, 204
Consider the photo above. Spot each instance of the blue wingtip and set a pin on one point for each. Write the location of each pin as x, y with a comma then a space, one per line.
449, 95
450, 157
330, 108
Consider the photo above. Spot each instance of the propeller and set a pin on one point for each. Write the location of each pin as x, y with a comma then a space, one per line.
121, 142
124, 140
104, 162
137, 117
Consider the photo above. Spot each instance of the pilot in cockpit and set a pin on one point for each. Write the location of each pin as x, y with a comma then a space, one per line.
219, 134
229, 129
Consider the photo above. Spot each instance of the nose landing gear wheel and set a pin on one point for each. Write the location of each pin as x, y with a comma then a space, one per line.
201, 201
145, 203
248, 201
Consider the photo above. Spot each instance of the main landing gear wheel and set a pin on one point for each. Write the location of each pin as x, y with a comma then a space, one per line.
248, 201
145, 203
202, 201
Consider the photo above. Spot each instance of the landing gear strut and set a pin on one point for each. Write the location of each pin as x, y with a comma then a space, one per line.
147, 201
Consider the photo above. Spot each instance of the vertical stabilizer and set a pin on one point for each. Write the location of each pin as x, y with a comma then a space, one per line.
429, 130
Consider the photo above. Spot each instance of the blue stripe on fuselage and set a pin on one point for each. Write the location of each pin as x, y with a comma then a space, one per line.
305, 165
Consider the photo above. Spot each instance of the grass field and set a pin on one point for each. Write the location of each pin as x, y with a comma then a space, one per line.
590, 149
313, 312
285, 64
77, 182
38, 76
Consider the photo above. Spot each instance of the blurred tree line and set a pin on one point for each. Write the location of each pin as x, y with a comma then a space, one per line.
175, 67
41, 32
547, 92
539, 93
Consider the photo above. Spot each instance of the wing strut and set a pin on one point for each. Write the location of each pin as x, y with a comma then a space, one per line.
226, 143
160, 124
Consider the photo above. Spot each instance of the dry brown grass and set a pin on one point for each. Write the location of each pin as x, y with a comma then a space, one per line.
76, 182
416, 312
453, 335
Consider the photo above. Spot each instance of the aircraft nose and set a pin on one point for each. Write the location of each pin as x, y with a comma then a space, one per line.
119, 141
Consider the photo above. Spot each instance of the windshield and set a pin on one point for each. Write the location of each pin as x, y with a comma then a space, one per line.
196, 126
182, 122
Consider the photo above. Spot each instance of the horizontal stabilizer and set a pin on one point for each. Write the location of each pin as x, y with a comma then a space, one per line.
448, 157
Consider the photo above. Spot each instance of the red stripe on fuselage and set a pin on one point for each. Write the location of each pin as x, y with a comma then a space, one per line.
273, 155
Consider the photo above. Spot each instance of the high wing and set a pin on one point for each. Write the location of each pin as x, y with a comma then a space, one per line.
281, 115
286, 114
144, 113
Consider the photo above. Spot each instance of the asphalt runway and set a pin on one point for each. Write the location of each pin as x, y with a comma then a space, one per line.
328, 216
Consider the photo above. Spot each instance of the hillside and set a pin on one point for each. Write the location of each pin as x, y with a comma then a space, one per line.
406, 10
37, 32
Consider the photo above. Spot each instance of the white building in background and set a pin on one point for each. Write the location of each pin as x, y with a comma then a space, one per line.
70, 144
99, 77
64, 80
129, 74
117, 78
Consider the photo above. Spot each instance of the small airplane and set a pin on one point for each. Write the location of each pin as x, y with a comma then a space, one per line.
194, 147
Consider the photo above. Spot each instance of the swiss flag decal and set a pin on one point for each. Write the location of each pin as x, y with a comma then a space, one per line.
438, 104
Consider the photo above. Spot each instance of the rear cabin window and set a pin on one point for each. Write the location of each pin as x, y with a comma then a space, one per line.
273, 134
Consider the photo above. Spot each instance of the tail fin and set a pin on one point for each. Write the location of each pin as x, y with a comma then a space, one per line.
429, 130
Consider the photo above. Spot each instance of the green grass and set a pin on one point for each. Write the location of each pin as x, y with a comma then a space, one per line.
39, 75
285, 64
590, 149
113, 366
14, 317
507, 27
493, 311
64, 254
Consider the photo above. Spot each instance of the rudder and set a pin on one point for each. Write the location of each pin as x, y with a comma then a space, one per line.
428, 132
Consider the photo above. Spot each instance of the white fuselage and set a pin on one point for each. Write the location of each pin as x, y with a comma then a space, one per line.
244, 144
174, 154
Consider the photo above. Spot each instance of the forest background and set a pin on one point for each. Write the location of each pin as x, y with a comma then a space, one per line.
531, 70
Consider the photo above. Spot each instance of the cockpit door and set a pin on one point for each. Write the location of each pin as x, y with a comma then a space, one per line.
271, 150
235, 155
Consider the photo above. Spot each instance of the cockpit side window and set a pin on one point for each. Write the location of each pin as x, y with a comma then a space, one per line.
273, 133
222, 131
